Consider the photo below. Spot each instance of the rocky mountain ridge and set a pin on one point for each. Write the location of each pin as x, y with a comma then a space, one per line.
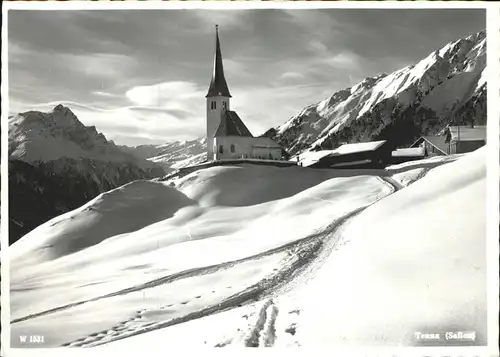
446, 87
57, 164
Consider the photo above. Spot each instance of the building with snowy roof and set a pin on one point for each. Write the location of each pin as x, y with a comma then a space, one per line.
372, 154
432, 145
227, 135
463, 139
407, 154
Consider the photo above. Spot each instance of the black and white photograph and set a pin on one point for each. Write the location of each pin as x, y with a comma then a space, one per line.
260, 177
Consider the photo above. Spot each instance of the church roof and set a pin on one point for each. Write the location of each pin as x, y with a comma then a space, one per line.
232, 125
218, 85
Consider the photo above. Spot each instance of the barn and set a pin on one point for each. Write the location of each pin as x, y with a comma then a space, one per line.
432, 145
368, 155
463, 139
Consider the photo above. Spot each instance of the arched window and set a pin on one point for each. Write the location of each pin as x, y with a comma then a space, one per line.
213, 105
232, 148
224, 105
221, 149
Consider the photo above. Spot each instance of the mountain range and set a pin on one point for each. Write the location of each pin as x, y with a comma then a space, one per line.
446, 87
172, 155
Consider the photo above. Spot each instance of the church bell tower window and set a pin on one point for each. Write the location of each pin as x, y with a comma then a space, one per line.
213, 105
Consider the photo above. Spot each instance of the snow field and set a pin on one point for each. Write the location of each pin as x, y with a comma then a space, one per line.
239, 260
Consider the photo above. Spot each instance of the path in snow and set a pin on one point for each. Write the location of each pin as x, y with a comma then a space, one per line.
305, 251
296, 248
302, 253
301, 256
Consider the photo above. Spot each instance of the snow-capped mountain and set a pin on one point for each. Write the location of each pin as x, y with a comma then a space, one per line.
448, 86
57, 164
172, 155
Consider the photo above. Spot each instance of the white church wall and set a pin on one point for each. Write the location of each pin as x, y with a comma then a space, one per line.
246, 147
242, 147
266, 148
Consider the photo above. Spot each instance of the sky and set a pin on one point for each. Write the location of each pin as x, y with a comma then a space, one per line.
141, 76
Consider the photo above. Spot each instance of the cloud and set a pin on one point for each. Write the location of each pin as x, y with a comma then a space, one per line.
164, 94
345, 60
106, 94
318, 47
99, 65
226, 19
292, 76
144, 74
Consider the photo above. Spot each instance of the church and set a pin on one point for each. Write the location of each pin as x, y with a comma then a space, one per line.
227, 135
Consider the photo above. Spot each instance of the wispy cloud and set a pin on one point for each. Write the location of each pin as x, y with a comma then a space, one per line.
164, 94
106, 94
345, 60
292, 76
98, 65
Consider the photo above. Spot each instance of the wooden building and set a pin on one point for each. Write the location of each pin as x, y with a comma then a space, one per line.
463, 139
432, 145
368, 155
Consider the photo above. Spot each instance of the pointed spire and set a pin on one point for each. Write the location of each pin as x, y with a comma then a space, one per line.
218, 85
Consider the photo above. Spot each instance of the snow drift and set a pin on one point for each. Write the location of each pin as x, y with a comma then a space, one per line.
409, 258
125, 209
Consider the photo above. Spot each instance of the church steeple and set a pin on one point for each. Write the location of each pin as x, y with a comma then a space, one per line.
218, 85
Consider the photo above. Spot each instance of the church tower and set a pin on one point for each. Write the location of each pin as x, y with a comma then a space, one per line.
217, 97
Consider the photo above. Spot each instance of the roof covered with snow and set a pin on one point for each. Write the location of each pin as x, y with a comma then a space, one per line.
308, 158
232, 125
418, 151
466, 133
358, 147
351, 163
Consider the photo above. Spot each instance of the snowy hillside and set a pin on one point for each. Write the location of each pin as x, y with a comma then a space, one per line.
231, 256
447, 86
57, 164
172, 155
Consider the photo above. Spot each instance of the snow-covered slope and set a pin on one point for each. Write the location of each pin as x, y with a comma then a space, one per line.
56, 164
448, 85
172, 155
231, 256
411, 254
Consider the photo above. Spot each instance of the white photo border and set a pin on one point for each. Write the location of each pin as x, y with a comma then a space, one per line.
493, 223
